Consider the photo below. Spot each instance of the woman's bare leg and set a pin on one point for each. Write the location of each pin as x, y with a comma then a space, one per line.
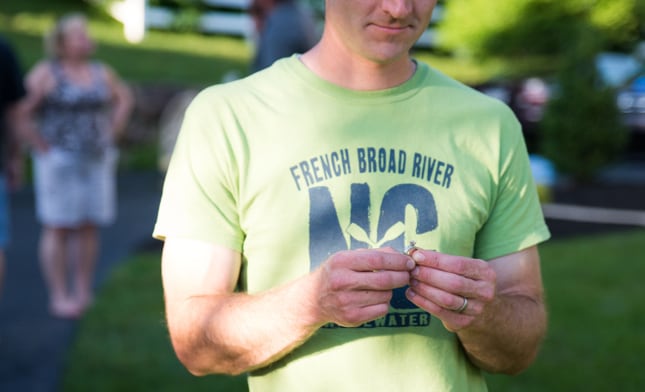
54, 265
85, 245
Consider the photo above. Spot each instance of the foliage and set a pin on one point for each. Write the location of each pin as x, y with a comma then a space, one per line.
187, 19
163, 57
141, 156
582, 131
181, 59
177, 3
536, 27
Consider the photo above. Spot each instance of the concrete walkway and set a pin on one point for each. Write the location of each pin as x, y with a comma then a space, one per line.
33, 345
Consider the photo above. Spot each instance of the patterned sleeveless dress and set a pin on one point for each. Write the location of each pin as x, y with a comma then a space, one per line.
75, 180
75, 117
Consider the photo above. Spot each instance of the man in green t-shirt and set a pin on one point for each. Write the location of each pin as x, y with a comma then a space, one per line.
292, 193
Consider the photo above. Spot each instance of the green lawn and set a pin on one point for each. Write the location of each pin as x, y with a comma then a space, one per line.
595, 342
596, 299
180, 60
163, 57
187, 59
123, 345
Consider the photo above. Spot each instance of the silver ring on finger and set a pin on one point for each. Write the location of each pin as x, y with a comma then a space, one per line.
463, 306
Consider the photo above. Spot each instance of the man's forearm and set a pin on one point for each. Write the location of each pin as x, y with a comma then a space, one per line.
215, 330
508, 338
235, 333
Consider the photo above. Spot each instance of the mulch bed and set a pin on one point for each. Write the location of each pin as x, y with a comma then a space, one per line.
628, 197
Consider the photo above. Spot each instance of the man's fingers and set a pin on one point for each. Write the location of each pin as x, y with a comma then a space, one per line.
360, 315
374, 260
385, 280
444, 299
453, 283
370, 280
471, 268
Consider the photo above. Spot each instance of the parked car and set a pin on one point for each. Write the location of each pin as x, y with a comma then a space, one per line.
626, 74
616, 69
631, 103
527, 98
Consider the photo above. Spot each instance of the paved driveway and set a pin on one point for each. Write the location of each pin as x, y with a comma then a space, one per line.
33, 345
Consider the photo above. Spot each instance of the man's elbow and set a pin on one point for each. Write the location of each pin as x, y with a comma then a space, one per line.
510, 365
522, 355
193, 366
516, 359
518, 366
199, 361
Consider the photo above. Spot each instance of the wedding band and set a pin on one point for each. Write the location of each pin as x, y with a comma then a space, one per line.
463, 306
410, 248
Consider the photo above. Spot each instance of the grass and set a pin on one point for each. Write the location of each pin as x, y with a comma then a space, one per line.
596, 300
188, 59
595, 297
123, 344
595, 341
163, 57
182, 60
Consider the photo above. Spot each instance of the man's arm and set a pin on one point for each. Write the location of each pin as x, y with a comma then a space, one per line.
215, 330
505, 321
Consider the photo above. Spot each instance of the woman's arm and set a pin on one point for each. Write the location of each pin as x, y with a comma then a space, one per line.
122, 100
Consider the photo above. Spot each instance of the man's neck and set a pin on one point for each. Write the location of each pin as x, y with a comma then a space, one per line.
357, 73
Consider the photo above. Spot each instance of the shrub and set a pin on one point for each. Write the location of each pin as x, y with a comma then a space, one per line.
581, 131
510, 28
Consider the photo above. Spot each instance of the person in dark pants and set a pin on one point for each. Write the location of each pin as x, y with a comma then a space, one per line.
283, 27
11, 92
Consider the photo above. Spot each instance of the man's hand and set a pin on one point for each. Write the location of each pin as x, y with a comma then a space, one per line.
441, 284
204, 314
356, 286
504, 321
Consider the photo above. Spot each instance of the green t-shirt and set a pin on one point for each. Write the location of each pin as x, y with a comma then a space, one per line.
288, 169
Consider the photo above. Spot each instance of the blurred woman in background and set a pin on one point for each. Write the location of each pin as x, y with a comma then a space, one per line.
79, 107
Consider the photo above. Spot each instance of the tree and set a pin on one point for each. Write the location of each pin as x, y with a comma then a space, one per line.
581, 131
510, 28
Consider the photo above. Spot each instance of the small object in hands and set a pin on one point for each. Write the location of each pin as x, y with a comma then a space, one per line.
463, 306
410, 248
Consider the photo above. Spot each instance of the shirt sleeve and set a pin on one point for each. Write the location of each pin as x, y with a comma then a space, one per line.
516, 221
199, 193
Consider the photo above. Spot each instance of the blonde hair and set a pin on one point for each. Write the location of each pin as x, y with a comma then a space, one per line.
53, 42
